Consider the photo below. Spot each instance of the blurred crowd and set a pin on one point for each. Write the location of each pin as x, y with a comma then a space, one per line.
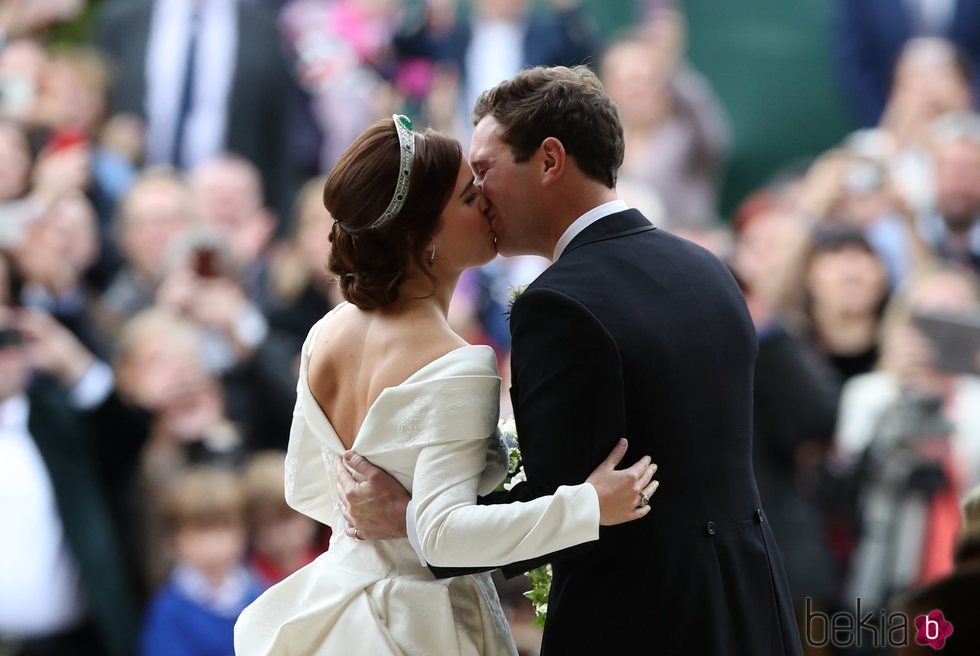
162, 249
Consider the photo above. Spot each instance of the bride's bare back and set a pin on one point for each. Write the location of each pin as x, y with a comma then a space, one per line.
362, 353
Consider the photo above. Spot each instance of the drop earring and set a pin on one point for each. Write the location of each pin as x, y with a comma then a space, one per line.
432, 255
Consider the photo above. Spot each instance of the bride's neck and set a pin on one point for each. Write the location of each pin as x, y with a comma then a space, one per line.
419, 290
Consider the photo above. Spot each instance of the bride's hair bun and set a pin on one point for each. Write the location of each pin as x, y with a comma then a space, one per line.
371, 263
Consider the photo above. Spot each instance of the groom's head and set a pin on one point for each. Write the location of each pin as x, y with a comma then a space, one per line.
545, 140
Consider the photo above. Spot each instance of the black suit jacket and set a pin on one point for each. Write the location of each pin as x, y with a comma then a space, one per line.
89, 457
263, 98
636, 333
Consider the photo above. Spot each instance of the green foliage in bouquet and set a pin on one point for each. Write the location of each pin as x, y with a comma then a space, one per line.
538, 594
540, 577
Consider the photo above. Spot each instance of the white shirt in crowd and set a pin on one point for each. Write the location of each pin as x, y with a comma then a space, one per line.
40, 587
166, 63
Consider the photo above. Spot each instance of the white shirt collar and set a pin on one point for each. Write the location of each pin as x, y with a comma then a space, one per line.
584, 221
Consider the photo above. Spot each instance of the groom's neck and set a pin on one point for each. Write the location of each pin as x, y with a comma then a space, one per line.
572, 207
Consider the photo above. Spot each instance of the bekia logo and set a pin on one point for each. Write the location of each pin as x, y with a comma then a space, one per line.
875, 629
932, 629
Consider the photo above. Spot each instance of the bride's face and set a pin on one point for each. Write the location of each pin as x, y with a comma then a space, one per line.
464, 238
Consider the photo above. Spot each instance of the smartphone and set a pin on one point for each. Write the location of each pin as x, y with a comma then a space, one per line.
955, 337
206, 262
10, 337
64, 139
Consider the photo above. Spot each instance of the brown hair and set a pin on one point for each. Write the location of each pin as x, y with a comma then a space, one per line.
568, 104
371, 263
203, 496
264, 482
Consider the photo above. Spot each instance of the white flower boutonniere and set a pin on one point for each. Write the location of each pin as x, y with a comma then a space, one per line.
540, 577
515, 293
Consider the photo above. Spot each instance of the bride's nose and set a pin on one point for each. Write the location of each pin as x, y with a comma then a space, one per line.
483, 204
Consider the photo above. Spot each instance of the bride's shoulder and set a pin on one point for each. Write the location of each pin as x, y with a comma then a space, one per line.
439, 352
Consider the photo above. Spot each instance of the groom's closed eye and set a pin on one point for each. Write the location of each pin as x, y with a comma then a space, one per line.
479, 171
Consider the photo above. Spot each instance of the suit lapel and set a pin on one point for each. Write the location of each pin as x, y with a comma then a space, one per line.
616, 225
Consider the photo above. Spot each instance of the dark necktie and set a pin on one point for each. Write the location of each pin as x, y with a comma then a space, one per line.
186, 93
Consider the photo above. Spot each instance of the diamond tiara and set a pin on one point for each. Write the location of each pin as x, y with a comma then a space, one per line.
406, 150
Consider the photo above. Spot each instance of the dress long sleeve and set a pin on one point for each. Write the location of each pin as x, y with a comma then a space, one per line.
454, 532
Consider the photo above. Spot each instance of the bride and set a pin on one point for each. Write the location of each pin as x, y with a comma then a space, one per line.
384, 372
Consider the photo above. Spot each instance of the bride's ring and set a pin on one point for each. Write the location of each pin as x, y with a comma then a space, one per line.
357, 536
644, 500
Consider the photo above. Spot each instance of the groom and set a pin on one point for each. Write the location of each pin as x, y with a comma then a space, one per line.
631, 331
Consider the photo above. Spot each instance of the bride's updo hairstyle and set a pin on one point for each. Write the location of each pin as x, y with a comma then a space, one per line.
370, 260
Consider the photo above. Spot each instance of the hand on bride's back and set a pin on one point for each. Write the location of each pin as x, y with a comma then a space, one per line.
624, 494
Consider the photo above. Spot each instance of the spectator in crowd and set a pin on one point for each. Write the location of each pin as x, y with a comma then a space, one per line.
952, 228
675, 129
869, 36
932, 78
253, 363
342, 54
206, 78
158, 363
17, 208
228, 199
57, 250
282, 539
912, 434
101, 156
67, 440
846, 188
845, 291
195, 611
492, 43
301, 290
156, 210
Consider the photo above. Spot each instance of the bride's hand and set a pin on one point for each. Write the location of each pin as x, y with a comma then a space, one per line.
624, 494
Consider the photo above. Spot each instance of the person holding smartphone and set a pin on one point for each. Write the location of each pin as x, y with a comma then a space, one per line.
914, 431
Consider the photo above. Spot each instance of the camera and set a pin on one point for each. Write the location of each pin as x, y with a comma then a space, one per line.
206, 262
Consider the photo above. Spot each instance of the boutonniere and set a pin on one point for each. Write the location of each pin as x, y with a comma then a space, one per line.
515, 293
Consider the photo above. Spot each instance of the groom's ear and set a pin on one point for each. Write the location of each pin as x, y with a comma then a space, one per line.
553, 160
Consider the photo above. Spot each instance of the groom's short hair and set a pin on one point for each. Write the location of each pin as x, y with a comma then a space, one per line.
568, 104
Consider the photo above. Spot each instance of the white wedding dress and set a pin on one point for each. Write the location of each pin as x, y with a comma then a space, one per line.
436, 434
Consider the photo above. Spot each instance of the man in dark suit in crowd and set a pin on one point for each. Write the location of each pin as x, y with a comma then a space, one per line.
496, 39
208, 77
67, 444
870, 35
630, 332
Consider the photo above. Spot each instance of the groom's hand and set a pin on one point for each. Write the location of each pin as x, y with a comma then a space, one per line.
373, 502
